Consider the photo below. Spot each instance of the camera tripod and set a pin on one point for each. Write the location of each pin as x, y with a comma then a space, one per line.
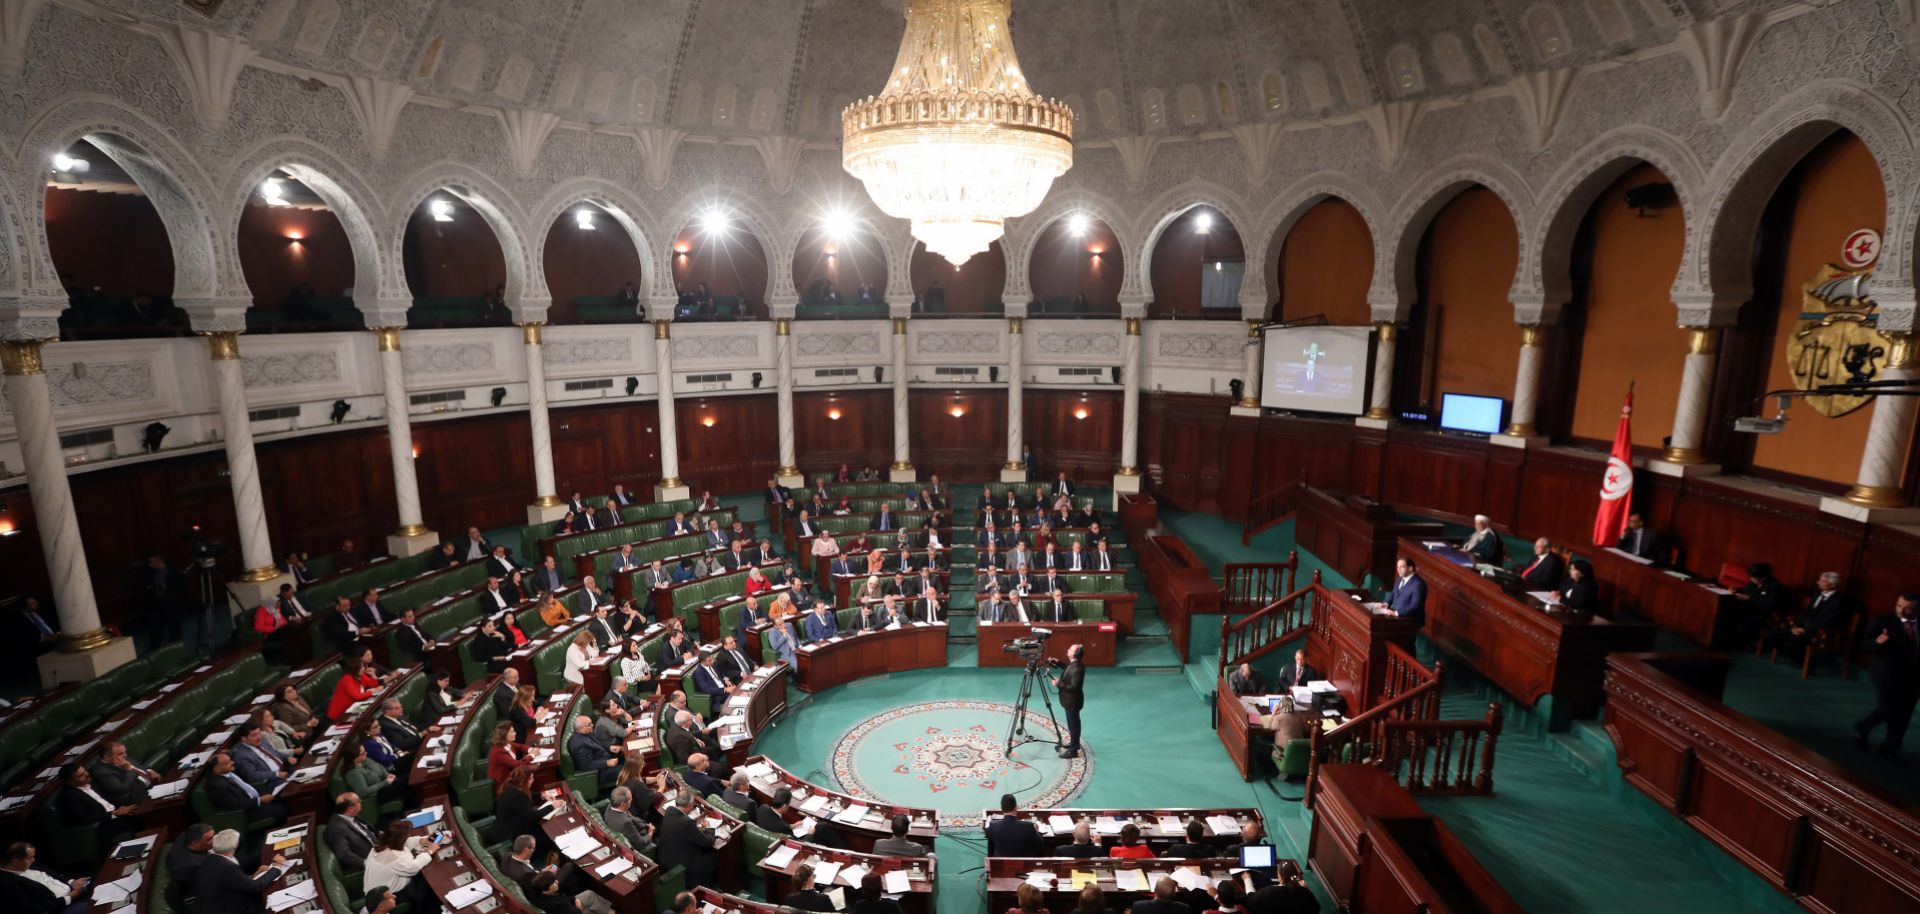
1035, 680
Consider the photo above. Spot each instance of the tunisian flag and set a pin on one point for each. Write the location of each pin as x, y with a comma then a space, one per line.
1616, 487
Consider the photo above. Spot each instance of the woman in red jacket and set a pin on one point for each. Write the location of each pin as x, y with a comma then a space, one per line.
350, 690
505, 754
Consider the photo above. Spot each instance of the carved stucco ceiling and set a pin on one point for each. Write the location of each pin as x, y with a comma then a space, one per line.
743, 67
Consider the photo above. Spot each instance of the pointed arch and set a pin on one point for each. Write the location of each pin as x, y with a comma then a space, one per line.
336, 183
741, 209
1292, 203
494, 205
617, 202
1028, 229
1170, 206
1397, 251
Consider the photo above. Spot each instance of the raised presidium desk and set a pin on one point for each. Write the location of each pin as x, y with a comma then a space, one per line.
1529, 649
1375, 850
619, 873
1696, 607
1159, 828
1806, 825
1123, 880
838, 873
859, 822
1101, 639
870, 652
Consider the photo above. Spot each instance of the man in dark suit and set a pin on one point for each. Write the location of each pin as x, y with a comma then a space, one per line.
732, 660
700, 775
547, 578
1407, 596
1246, 681
589, 755
1542, 572
883, 521
578, 504
1195, 845
228, 790
503, 692
1162, 901
772, 815
1759, 598
223, 887
184, 856
1082, 846
292, 608
79, 805
1637, 540
1827, 610
447, 557
621, 498
1058, 609
928, 608
708, 681
349, 838
26, 890
1008, 836
370, 611
1299, 672
400, 731
118, 779
498, 565
1894, 640
1484, 545
716, 538
622, 821
684, 740
1070, 684
412, 640
340, 627
739, 793
681, 841
673, 651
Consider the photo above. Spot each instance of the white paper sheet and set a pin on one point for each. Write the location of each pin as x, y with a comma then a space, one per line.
781, 856
469, 893
895, 882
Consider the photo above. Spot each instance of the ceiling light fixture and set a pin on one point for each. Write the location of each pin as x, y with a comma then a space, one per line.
714, 222
275, 194
837, 223
442, 210
67, 163
1078, 223
956, 142
1203, 223
583, 219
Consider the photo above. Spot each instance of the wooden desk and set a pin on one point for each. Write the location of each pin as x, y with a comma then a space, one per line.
760, 697
1006, 874
1058, 824
1682, 604
823, 665
1375, 850
765, 777
1803, 823
630, 891
1101, 639
729, 837
114, 870
429, 778
1528, 652
844, 585
1180, 583
917, 899
458, 864
1354, 535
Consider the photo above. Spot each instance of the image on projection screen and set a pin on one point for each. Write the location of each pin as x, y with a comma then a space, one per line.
1316, 369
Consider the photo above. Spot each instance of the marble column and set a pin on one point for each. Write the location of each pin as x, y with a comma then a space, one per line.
1127, 480
789, 472
1522, 429
902, 469
1016, 468
413, 537
1249, 402
86, 650
1882, 462
547, 505
671, 487
1690, 415
1380, 397
243, 470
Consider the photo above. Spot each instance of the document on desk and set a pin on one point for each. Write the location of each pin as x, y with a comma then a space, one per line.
1083, 878
1039, 879
612, 868
1190, 877
1716, 590
816, 804
805, 826
1109, 825
467, 894
781, 856
1322, 685
1629, 556
236, 720
168, 789
305, 890
824, 871
1302, 696
758, 770
1223, 825
852, 815
126, 847
1129, 880
1545, 596
1060, 824
853, 874
1170, 825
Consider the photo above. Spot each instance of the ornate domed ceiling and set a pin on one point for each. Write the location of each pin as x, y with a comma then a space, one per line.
747, 67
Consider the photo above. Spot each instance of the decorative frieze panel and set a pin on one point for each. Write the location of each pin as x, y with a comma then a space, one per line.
287, 369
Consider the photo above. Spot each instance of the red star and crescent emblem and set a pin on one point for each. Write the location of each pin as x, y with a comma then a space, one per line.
1861, 249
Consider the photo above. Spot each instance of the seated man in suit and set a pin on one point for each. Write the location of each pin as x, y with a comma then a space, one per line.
1082, 845
781, 639
591, 599
735, 558
401, 732
257, 762
589, 755
675, 650
1103, 559
570, 523
657, 577
883, 520
1077, 558
1057, 609
350, 839
446, 557
772, 815
1484, 545
1759, 598
1054, 580
700, 775
370, 611
708, 681
998, 610
688, 737
732, 661
609, 514
1407, 596
680, 526
1246, 681
1827, 610
1639, 541
79, 805
1542, 571
1298, 673
625, 560
716, 538
412, 640
1163, 900
1195, 845
764, 554
624, 823
227, 790
495, 598
928, 608
292, 608
118, 779
222, 886
548, 578
898, 845
498, 564
1008, 836
821, 624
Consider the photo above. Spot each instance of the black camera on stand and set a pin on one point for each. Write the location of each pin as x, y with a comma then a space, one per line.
1031, 651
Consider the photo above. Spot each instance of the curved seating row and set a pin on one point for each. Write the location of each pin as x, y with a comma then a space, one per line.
38, 727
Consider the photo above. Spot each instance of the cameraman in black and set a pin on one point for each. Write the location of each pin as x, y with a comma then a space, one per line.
1069, 684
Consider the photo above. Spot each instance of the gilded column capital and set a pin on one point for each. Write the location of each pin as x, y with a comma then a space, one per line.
223, 345
1388, 331
22, 356
387, 337
530, 332
1133, 326
782, 327
1532, 335
1013, 325
1703, 340
899, 326
663, 330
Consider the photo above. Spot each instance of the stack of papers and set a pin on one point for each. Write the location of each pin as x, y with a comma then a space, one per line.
577, 843
852, 815
816, 804
612, 868
782, 855
1060, 824
1170, 825
218, 738
118, 890
805, 826
292, 895
169, 789
824, 871
236, 720
1108, 825
262, 699
758, 770
1041, 879
196, 759
1190, 877
468, 894
1129, 880
853, 874
14, 803
1223, 825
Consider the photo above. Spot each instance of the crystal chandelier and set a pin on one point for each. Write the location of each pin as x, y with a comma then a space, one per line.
956, 142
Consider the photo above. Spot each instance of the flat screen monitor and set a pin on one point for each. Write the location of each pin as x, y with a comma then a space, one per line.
1256, 856
1319, 369
1463, 413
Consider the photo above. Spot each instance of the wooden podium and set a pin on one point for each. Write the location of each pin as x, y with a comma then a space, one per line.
1348, 644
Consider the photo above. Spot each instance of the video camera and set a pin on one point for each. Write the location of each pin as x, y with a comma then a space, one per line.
1029, 649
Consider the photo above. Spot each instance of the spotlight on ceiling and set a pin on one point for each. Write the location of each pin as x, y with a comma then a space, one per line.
757, 378
837, 223
714, 222
583, 219
274, 194
633, 384
66, 163
152, 435
1078, 223
442, 210
1203, 223
339, 413
993, 373
498, 396
879, 375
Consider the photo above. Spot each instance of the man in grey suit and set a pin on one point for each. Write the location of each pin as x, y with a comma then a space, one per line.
898, 845
349, 838
738, 794
590, 597
119, 779
624, 824
658, 577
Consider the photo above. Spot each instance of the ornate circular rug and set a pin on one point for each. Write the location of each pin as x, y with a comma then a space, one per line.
951, 756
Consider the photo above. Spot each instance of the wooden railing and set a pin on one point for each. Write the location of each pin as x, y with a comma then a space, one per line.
1271, 507
1364, 738
1404, 674
1444, 756
1274, 624
1251, 586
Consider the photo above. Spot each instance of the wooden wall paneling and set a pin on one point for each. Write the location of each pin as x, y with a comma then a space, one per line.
1562, 493
738, 452
1086, 449
1885, 568
1184, 449
1501, 482
862, 435
1721, 521
473, 472
1445, 474
1366, 476
20, 548
1243, 461
321, 489
972, 445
